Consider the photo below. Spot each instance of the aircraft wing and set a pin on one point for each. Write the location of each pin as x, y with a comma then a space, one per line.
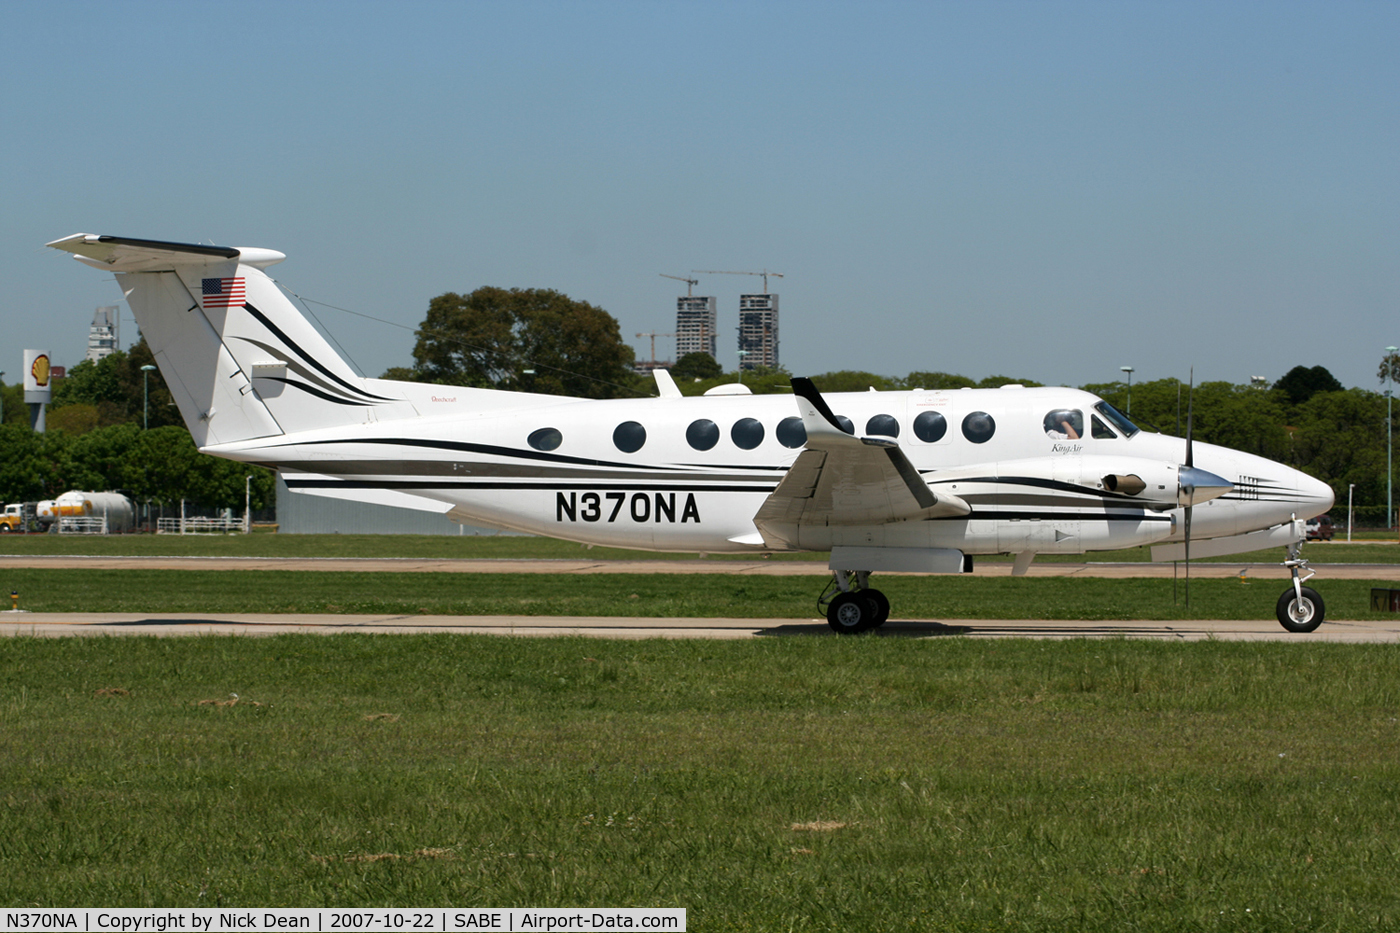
841, 479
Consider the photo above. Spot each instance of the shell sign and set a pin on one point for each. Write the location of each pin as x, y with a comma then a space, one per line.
37, 376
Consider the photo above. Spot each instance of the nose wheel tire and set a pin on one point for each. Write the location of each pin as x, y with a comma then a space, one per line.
851, 613
1301, 615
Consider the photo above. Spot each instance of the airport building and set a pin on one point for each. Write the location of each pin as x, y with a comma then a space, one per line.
103, 335
758, 331
695, 325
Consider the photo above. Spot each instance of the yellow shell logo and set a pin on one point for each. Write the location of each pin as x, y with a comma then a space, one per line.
40, 369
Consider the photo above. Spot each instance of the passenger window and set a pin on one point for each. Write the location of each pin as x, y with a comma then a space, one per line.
629, 437
1064, 424
791, 433
930, 426
846, 424
1101, 431
747, 433
979, 427
545, 439
702, 434
884, 425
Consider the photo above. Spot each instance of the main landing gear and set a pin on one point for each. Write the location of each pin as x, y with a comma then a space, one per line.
854, 607
1300, 608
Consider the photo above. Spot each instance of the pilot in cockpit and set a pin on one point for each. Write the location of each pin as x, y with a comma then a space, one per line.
1064, 424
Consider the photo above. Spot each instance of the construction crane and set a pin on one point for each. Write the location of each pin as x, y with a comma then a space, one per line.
765, 273
689, 283
653, 335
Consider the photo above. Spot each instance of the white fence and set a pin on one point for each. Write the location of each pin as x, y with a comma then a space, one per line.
82, 525
199, 526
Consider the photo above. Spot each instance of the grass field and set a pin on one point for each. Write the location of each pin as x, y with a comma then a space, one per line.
779, 784
520, 546
654, 595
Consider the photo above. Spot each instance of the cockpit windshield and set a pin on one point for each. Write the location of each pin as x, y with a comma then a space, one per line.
1117, 418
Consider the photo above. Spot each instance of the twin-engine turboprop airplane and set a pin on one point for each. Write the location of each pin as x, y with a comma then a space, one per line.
887, 481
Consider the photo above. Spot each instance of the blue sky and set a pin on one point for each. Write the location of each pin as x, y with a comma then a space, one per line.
1043, 190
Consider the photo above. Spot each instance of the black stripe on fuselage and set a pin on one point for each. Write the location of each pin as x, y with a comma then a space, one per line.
312, 390
482, 469
292, 344
488, 449
538, 487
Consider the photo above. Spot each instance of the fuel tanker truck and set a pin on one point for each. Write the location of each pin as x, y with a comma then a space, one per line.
89, 510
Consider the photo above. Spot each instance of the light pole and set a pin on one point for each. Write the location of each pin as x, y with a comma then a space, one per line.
1350, 488
1389, 476
146, 396
247, 505
1129, 370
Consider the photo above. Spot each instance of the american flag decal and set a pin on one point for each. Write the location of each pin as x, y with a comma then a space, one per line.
224, 293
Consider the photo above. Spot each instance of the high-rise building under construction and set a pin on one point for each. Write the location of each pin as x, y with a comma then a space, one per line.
695, 325
758, 331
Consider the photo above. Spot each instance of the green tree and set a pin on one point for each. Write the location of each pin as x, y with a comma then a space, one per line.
15, 410
1390, 369
925, 380
1301, 383
1339, 437
113, 386
695, 366
996, 382
533, 340
848, 380
33, 466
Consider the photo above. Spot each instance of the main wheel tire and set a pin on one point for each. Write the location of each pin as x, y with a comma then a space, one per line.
850, 614
880, 604
1303, 615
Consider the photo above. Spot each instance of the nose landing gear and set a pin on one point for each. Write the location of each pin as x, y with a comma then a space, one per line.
854, 607
1300, 608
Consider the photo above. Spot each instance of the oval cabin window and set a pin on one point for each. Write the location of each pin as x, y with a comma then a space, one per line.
545, 439
747, 433
930, 426
792, 433
702, 434
979, 427
884, 425
629, 437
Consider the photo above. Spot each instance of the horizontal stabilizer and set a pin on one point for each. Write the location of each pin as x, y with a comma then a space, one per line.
126, 254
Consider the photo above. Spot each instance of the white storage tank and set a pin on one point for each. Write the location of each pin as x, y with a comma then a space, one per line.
91, 508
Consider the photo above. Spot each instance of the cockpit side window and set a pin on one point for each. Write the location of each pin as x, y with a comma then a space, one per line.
1101, 430
1064, 424
1117, 419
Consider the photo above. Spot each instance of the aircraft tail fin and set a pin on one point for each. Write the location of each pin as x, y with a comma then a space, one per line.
241, 361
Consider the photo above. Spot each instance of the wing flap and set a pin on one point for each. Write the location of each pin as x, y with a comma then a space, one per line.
840, 479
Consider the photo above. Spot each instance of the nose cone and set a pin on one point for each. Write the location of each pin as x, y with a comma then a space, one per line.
1314, 496
1197, 486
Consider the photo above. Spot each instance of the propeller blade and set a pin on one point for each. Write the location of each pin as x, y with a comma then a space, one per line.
1190, 406
1187, 585
1190, 468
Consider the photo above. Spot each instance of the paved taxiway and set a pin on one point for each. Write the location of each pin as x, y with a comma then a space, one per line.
99, 623
778, 568
61, 624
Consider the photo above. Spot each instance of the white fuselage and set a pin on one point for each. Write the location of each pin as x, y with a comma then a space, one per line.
707, 464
